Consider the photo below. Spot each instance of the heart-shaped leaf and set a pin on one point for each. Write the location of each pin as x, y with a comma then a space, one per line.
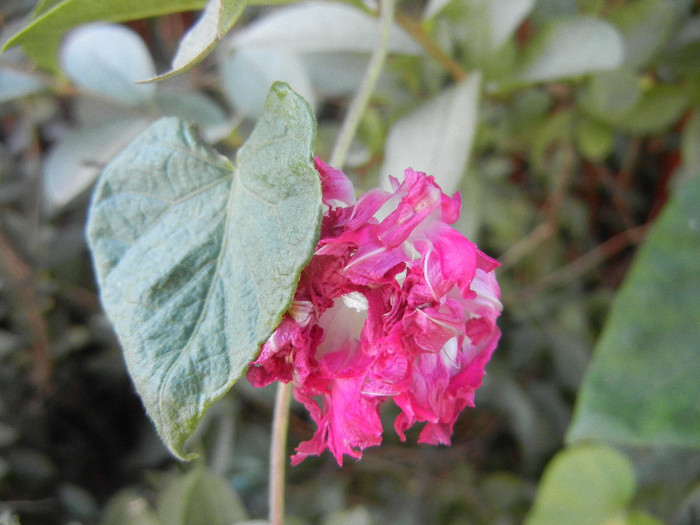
197, 259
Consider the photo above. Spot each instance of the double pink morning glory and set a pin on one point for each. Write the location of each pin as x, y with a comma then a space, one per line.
395, 303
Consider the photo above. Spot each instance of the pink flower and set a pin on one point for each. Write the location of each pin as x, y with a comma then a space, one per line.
394, 303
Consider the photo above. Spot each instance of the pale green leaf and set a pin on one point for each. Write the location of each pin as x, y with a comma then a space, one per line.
585, 485
572, 47
108, 59
644, 25
437, 137
15, 84
197, 260
248, 73
216, 20
358, 515
200, 497
658, 109
595, 140
611, 95
335, 74
504, 18
321, 27
42, 36
642, 385
546, 11
128, 507
642, 518
196, 107
73, 164
433, 7
690, 144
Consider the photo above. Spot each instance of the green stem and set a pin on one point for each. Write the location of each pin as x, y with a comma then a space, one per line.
278, 452
361, 100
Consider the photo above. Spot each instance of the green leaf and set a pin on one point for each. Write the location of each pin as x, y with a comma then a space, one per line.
200, 497
196, 107
573, 47
128, 507
546, 11
197, 260
500, 17
611, 95
108, 59
218, 18
437, 137
690, 144
659, 108
321, 28
586, 485
42, 36
504, 18
74, 162
16, 83
644, 25
248, 73
642, 385
595, 140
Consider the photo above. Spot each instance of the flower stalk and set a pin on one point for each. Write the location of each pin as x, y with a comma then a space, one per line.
362, 97
278, 452
342, 145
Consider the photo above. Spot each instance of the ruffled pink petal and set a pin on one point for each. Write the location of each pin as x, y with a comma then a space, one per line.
336, 188
394, 304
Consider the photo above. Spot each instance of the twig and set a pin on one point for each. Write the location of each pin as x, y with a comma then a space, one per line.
278, 452
21, 280
526, 245
586, 262
361, 100
418, 33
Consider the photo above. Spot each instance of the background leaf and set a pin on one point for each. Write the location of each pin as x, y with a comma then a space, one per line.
437, 137
587, 485
42, 36
644, 26
321, 27
642, 385
216, 20
15, 84
200, 497
108, 59
248, 73
210, 118
572, 47
74, 163
198, 260
504, 18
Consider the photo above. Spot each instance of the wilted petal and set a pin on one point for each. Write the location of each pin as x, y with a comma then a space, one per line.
394, 304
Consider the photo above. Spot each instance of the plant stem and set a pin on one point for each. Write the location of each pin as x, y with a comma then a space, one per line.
361, 100
416, 30
278, 452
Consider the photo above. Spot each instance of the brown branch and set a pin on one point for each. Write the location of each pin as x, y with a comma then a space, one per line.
416, 30
20, 279
586, 262
526, 245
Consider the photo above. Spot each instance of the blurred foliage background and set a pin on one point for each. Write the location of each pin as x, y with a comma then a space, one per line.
572, 129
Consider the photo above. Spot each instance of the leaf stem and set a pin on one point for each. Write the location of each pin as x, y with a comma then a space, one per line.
415, 29
361, 100
278, 452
